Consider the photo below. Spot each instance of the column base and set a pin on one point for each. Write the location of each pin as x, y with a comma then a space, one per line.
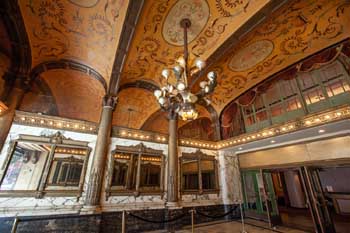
173, 205
91, 209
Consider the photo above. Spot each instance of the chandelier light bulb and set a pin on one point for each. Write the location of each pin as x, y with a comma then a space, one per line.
180, 86
178, 70
170, 88
157, 93
200, 64
207, 89
211, 75
161, 100
181, 61
203, 84
166, 73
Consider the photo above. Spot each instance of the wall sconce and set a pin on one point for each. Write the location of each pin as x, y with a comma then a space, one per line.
3, 108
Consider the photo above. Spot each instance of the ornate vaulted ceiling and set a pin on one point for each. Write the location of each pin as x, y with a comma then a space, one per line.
158, 39
87, 31
75, 44
299, 29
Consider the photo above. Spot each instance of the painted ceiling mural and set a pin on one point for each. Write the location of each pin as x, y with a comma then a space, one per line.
292, 33
158, 38
83, 30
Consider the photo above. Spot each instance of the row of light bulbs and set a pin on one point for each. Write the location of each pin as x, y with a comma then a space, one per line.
308, 122
121, 156
153, 159
141, 136
70, 151
199, 144
57, 124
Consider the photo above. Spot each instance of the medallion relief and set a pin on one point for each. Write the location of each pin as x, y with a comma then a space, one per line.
195, 10
251, 55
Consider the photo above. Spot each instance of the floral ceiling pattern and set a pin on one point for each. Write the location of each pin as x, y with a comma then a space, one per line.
83, 30
295, 31
158, 38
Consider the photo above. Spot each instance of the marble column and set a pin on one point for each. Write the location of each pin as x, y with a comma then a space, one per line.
93, 192
172, 185
13, 100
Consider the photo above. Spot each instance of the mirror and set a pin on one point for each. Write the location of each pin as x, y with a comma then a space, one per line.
25, 166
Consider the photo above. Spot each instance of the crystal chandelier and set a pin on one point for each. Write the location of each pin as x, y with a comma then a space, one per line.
175, 95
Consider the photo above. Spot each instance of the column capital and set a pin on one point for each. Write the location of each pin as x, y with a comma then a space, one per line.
109, 101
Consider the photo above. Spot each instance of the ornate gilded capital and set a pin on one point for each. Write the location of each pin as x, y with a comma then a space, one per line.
109, 101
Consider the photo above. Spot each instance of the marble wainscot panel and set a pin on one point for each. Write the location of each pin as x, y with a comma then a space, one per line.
131, 202
47, 205
231, 178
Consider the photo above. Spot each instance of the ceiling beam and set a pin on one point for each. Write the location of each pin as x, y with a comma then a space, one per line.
126, 36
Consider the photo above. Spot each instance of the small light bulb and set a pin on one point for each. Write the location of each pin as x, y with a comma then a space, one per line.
165, 73
180, 86
162, 100
178, 70
181, 61
157, 93
200, 64
211, 75
203, 84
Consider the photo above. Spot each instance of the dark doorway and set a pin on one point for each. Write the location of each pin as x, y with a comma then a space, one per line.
291, 199
331, 189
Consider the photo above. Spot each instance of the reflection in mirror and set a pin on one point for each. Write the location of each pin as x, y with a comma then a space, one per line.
25, 166
135, 170
150, 172
190, 174
208, 174
120, 170
67, 166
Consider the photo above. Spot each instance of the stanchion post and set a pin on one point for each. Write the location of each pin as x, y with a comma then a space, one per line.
14, 226
123, 222
242, 217
192, 219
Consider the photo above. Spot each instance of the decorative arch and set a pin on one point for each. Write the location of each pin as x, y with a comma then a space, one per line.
68, 64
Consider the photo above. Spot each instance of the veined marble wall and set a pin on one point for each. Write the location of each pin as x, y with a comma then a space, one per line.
67, 205
10, 206
230, 177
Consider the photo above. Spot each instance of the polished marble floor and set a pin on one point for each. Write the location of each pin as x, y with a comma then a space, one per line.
232, 227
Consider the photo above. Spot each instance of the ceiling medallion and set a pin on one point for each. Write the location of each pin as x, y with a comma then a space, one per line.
196, 11
175, 96
251, 55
